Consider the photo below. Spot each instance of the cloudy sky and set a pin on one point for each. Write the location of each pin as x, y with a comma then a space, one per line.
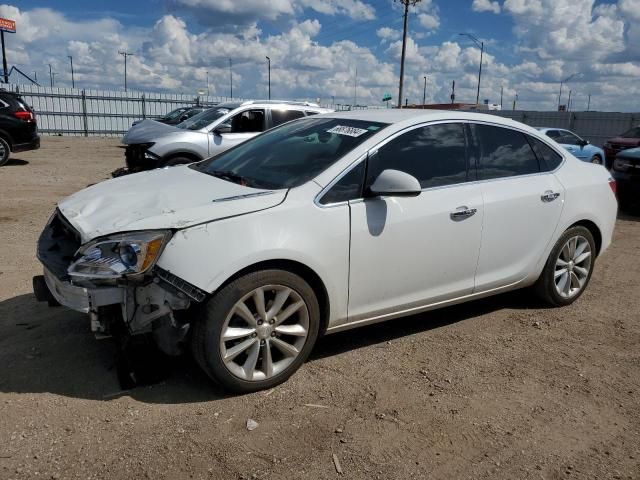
316, 46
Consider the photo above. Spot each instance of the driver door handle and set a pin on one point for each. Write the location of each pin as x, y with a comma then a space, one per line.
549, 196
462, 213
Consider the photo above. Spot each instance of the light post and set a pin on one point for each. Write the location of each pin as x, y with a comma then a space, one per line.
230, 79
125, 55
269, 68
73, 82
480, 45
424, 92
207, 83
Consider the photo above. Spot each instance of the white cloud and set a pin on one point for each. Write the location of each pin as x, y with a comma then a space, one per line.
386, 34
485, 6
429, 21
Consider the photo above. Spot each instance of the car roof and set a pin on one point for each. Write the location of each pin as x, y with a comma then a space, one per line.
546, 129
412, 116
278, 104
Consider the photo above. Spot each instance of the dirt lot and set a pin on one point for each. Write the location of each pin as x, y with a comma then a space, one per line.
496, 389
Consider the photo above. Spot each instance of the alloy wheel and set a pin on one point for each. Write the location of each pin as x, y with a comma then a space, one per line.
264, 332
572, 267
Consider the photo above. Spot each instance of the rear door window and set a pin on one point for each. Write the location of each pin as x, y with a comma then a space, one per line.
249, 121
278, 117
504, 153
548, 157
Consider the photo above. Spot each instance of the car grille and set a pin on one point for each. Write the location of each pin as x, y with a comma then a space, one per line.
57, 245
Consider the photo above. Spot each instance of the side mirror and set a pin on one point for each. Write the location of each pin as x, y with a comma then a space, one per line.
394, 183
584, 143
222, 128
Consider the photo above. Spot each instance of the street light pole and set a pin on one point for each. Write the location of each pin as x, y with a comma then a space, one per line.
207, 83
73, 82
406, 4
561, 83
480, 45
269, 68
501, 92
125, 55
50, 76
230, 79
424, 92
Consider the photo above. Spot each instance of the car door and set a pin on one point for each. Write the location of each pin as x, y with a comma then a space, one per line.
280, 116
407, 252
522, 205
574, 144
243, 126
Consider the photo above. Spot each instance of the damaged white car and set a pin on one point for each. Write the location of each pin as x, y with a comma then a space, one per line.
324, 224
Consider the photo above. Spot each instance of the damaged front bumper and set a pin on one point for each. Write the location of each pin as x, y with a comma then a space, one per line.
146, 304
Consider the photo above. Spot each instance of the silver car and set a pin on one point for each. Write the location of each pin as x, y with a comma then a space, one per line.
151, 144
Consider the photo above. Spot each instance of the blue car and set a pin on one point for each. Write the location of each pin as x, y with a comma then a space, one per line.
578, 147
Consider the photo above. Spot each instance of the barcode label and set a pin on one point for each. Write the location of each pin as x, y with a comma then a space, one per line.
349, 131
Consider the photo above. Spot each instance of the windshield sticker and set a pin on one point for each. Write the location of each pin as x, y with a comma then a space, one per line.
348, 131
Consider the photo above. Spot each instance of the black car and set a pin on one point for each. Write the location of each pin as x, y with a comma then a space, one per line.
626, 171
177, 116
18, 127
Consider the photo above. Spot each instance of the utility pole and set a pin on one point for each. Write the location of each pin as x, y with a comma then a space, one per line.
51, 75
125, 54
355, 89
569, 101
589, 103
73, 82
230, 78
501, 92
207, 83
35, 76
424, 92
480, 45
269, 68
561, 83
453, 91
406, 4
515, 100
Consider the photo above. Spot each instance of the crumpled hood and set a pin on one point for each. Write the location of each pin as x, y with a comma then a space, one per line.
169, 198
147, 131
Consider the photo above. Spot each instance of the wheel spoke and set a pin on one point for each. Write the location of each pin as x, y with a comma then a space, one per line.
582, 258
278, 303
567, 285
575, 281
295, 330
285, 347
267, 361
572, 247
566, 253
581, 248
561, 263
249, 366
582, 271
258, 299
290, 310
562, 271
236, 350
233, 333
562, 282
243, 312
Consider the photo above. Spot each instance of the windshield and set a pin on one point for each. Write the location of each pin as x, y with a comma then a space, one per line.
290, 155
633, 133
203, 119
174, 113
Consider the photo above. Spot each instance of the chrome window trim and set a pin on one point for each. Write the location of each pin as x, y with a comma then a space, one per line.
393, 136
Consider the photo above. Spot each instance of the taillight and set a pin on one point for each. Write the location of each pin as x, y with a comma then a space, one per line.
25, 115
612, 184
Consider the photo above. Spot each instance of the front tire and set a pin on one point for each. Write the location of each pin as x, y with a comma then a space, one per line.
596, 159
5, 151
568, 268
257, 331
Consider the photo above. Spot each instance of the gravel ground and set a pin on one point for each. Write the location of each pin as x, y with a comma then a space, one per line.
495, 389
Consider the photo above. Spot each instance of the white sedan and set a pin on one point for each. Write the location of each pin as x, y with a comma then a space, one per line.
325, 224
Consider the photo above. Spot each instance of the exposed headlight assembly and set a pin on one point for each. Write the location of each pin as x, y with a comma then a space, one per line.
120, 255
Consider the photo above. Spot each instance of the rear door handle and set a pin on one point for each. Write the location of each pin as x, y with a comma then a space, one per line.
463, 212
549, 196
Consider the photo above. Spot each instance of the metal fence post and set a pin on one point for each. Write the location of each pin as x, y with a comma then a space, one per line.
84, 114
572, 121
144, 110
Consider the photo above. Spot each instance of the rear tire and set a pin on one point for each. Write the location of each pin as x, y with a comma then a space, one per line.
568, 269
5, 151
257, 331
596, 159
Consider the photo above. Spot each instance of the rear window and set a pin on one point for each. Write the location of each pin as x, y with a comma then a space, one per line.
549, 158
504, 153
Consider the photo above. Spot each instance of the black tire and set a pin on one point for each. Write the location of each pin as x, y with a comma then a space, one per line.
5, 151
209, 321
175, 161
597, 160
545, 286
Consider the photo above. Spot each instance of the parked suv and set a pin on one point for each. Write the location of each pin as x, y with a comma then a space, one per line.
324, 224
152, 145
613, 146
18, 127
